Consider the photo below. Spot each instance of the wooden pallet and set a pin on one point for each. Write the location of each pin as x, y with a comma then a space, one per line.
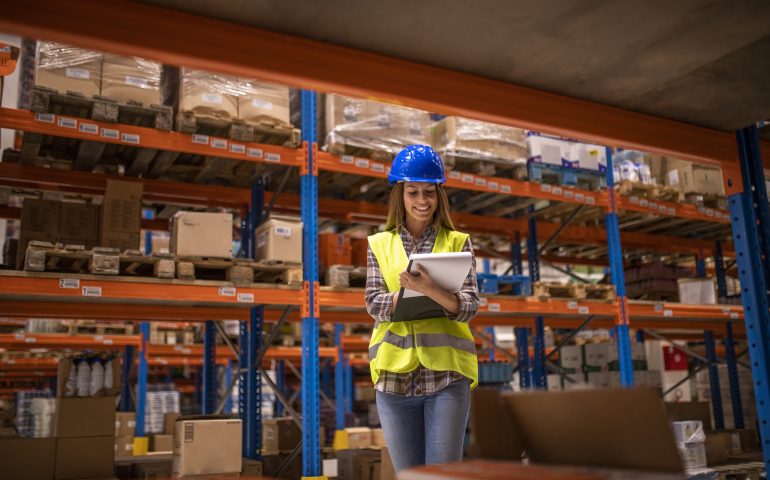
599, 292
707, 200
81, 327
238, 271
627, 188
566, 176
345, 276
357, 151
573, 290
47, 257
485, 167
740, 471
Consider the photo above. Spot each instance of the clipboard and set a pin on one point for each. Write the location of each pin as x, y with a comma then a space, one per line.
448, 271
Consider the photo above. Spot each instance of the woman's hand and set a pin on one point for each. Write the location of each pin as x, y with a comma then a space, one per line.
421, 282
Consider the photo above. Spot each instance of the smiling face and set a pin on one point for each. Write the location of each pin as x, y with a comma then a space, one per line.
420, 201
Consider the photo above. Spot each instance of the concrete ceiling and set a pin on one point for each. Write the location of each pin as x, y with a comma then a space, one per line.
705, 62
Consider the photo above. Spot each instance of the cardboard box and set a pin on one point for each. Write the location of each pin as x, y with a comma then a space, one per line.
334, 249
548, 150
354, 464
66, 364
638, 357
207, 446
263, 102
124, 447
125, 423
208, 93
85, 457
588, 156
595, 357
359, 437
38, 215
693, 178
378, 438
689, 431
202, 234
359, 251
279, 238
169, 419
78, 222
121, 240
131, 79
161, 443
280, 434
697, 291
251, 468
67, 68
28, 458
78, 417
122, 207
719, 446
271, 464
475, 139
505, 425
571, 359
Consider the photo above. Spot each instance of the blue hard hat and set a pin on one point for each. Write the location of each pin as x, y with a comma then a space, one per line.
417, 163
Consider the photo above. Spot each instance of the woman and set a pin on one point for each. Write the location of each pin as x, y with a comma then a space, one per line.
423, 370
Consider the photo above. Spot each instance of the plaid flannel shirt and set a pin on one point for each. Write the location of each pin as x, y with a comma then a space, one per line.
379, 304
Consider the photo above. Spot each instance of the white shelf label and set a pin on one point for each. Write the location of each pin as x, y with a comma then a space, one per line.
110, 133
480, 182
454, 174
557, 191
671, 211
569, 194
237, 148
273, 157
505, 189
544, 187
254, 153
710, 212
362, 163
219, 143
493, 186
130, 138
245, 298
200, 139
467, 178
653, 205
668, 313
347, 159
226, 291
107, 341
579, 197
69, 283
30, 340
591, 200
92, 291
572, 305
662, 209
45, 117
643, 202
494, 307
658, 308
734, 315
633, 200
89, 128
583, 310
378, 167
483, 301
66, 122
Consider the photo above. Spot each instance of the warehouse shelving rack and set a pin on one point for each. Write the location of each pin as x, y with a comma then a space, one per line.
109, 26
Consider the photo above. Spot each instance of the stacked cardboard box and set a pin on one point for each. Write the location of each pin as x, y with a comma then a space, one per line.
472, 139
358, 464
597, 365
697, 291
28, 458
131, 79
559, 152
39, 221
359, 247
207, 447
78, 224
202, 234
121, 215
125, 426
280, 435
85, 436
695, 178
279, 239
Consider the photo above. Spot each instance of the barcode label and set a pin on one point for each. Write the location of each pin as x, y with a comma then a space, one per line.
545, 187
668, 313
480, 182
65, 122
45, 117
583, 310
662, 209
467, 178
219, 143
130, 138
92, 291
226, 291
579, 197
69, 283
454, 174
110, 133
505, 189
557, 190
362, 163
347, 159
633, 200
378, 167
493, 185
671, 210
237, 148
494, 307
643, 202
653, 205
591, 200
89, 128
572, 305
200, 139
273, 157
569, 194
245, 298
254, 153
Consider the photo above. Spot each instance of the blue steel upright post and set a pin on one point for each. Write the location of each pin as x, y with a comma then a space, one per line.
210, 387
618, 280
732, 376
751, 221
490, 331
522, 351
339, 378
141, 441
517, 264
719, 268
125, 387
311, 448
539, 372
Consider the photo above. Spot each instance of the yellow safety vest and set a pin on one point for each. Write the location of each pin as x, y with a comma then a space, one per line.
436, 343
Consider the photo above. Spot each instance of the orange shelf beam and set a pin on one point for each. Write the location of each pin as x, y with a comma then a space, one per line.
28, 363
18, 285
143, 137
173, 37
28, 374
224, 353
14, 341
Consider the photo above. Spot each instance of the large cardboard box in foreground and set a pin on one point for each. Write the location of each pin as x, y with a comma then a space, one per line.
85, 417
28, 458
202, 234
207, 446
85, 457
279, 238
576, 428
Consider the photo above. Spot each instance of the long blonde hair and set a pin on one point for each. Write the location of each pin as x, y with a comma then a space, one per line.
397, 212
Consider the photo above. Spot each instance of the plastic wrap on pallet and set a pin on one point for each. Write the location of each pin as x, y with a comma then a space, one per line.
131, 79
263, 102
67, 68
372, 125
548, 150
463, 137
208, 93
633, 166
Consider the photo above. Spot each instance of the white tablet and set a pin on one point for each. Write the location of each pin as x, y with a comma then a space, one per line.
448, 270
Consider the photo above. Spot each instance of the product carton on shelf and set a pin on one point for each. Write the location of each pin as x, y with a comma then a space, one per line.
697, 291
334, 249
125, 423
131, 79
207, 447
588, 156
202, 234
124, 447
121, 216
161, 443
263, 103
357, 464
548, 150
67, 68
596, 357
279, 239
78, 224
693, 178
210, 94
39, 221
280, 434
372, 125
571, 359
359, 437
467, 138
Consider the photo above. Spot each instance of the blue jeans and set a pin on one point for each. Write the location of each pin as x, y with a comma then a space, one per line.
427, 429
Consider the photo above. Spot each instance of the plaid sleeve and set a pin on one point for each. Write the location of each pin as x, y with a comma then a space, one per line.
469, 293
379, 302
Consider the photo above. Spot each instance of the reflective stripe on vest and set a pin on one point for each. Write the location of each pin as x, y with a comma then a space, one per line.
436, 343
